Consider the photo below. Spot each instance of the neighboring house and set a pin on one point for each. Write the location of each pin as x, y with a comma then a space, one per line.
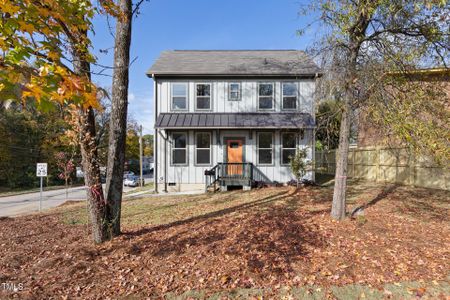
368, 134
239, 115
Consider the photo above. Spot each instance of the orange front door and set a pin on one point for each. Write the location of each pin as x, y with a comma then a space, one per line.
234, 155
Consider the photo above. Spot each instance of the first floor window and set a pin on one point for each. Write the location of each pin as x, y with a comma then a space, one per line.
265, 148
179, 96
179, 148
289, 95
288, 147
265, 96
203, 148
203, 96
234, 90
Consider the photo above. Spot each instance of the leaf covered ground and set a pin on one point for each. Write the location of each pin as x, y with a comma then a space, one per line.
271, 242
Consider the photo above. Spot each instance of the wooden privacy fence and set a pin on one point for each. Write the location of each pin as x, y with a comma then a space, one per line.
392, 165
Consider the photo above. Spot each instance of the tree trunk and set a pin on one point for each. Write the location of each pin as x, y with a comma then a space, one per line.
338, 208
94, 192
118, 121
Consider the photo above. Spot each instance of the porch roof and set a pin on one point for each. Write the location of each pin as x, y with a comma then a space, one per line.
234, 120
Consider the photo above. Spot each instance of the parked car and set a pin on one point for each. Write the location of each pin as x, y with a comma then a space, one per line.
131, 180
127, 174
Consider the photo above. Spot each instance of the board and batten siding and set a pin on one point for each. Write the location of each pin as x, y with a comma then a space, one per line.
249, 96
194, 174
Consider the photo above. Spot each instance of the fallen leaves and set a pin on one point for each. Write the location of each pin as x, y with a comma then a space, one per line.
269, 240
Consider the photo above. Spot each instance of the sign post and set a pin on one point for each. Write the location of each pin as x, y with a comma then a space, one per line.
41, 171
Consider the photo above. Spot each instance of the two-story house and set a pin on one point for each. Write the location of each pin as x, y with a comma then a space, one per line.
238, 115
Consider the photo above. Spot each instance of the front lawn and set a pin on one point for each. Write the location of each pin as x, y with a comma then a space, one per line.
275, 242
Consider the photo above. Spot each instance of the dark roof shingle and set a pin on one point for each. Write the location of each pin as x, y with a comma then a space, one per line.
234, 62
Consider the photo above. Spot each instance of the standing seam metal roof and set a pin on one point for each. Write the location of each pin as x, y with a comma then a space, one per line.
234, 120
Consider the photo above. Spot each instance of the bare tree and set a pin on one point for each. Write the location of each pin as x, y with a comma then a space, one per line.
364, 43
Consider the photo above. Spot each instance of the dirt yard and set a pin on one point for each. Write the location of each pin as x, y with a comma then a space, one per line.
272, 242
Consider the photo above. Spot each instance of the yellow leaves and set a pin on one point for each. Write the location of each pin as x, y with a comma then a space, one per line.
8, 7
26, 27
53, 55
34, 91
43, 71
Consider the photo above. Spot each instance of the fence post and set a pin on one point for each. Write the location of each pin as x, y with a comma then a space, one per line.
353, 163
378, 162
412, 169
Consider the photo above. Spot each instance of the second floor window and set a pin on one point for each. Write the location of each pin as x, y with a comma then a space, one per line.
289, 95
265, 96
179, 96
203, 96
234, 91
179, 148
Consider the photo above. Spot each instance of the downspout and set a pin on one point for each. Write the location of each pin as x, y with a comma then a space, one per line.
165, 163
155, 148
165, 157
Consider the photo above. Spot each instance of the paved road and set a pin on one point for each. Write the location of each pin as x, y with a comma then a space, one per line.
27, 203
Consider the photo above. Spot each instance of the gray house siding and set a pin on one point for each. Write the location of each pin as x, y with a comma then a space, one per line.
249, 95
192, 174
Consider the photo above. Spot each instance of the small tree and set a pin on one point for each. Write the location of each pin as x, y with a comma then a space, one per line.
299, 164
66, 167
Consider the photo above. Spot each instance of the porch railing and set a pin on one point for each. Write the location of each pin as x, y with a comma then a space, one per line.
229, 172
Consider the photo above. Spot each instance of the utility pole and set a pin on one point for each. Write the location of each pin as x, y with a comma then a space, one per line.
140, 157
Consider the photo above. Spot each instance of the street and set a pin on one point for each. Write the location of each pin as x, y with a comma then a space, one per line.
27, 203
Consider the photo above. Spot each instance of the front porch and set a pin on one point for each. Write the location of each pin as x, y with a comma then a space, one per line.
233, 174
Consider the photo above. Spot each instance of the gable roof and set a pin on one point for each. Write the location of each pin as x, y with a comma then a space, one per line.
234, 62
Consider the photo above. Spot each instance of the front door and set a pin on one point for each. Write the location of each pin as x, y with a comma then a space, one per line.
234, 157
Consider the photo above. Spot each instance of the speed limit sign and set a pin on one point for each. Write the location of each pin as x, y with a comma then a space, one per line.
41, 169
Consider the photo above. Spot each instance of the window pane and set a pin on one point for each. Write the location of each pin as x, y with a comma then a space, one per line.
234, 87
265, 156
289, 102
179, 156
265, 89
203, 103
234, 95
179, 103
179, 89
203, 156
203, 140
287, 154
179, 140
289, 140
289, 89
203, 89
265, 140
265, 103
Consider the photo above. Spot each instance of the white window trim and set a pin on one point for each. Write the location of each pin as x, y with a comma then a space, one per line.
296, 95
239, 92
282, 148
210, 148
258, 148
172, 96
273, 95
173, 148
210, 96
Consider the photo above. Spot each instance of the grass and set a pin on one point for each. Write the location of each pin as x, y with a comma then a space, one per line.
148, 187
160, 210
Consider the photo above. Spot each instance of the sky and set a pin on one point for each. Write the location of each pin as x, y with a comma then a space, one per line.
197, 25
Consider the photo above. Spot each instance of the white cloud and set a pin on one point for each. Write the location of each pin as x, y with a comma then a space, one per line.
141, 110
